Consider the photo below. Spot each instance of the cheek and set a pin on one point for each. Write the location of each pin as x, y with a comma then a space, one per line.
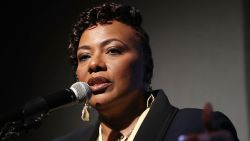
130, 71
81, 73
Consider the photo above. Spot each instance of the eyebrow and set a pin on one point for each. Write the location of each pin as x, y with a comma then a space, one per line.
103, 43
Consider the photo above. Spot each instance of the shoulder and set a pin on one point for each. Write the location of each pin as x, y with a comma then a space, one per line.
87, 132
189, 120
81, 134
74, 135
193, 115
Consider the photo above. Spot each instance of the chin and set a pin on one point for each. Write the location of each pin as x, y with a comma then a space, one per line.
99, 101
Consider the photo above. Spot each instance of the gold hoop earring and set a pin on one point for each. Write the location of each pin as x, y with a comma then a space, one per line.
150, 100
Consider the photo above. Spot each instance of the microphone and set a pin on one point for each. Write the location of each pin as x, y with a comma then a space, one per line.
77, 93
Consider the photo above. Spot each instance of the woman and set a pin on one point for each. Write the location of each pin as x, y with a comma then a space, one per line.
110, 51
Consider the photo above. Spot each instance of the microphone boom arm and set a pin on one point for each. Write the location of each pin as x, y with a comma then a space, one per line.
33, 114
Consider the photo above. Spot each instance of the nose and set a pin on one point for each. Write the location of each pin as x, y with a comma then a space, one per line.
96, 64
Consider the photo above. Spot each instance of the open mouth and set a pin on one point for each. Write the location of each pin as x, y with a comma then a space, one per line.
99, 84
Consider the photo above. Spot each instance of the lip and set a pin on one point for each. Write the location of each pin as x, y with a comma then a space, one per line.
99, 84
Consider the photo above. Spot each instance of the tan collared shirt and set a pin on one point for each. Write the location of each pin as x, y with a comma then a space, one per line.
134, 131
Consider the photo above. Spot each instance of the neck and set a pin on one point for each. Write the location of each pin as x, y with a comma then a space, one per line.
123, 124
111, 133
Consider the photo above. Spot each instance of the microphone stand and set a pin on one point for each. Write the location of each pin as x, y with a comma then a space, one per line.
31, 116
16, 128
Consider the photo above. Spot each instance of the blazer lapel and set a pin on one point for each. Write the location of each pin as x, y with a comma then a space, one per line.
156, 123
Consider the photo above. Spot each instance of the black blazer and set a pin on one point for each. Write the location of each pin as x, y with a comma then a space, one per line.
163, 122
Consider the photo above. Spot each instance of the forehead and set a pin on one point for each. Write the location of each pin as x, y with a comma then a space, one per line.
114, 30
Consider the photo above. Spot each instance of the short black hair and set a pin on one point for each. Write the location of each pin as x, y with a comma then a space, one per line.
103, 14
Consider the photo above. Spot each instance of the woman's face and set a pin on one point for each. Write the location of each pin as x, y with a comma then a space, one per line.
110, 60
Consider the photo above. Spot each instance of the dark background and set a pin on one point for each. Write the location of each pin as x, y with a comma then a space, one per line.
34, 57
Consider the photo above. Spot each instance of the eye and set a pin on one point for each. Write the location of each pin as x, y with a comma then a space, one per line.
114, 51
83, 57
